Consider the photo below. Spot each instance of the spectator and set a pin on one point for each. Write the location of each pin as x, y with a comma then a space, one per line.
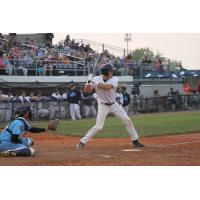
67, 40
146, 65
40, 68
146, 60
8, 66
178, 99
172, 99
136, 89
194, 100
156, 101
2, 67
159, 66
187, 88
136, 103
198, 89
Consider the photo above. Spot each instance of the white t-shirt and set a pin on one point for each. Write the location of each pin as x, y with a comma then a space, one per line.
24, 99
106, 96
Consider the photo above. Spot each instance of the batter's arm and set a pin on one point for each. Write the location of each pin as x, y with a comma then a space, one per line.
105, 86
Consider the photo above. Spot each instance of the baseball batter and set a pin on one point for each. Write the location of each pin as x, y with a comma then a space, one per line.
106, 86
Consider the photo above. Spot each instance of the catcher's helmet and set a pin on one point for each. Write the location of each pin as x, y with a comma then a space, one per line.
21, 110
106, 69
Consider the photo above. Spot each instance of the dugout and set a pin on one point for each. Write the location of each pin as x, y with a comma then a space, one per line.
48, 84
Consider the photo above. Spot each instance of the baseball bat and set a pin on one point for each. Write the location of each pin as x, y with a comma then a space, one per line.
95, 65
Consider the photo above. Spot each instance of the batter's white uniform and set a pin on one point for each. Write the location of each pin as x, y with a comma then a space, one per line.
106, 105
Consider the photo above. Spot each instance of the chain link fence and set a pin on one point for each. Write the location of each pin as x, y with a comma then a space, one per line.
48, 109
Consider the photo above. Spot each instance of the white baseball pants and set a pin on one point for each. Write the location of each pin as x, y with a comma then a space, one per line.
89, 111
103, 111
74, 111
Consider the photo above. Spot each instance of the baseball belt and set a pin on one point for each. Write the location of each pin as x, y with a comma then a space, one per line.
108, 104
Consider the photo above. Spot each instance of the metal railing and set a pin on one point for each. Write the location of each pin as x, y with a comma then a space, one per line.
169, 103
32, 67
46, 68
48, 109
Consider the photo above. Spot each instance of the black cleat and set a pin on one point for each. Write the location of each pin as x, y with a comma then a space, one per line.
80, 146
136, 143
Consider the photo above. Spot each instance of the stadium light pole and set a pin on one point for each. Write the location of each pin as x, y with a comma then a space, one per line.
127, 39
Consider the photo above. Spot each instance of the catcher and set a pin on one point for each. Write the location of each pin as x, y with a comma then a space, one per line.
13, 142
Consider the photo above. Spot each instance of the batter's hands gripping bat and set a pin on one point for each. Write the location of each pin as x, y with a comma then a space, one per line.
90, 77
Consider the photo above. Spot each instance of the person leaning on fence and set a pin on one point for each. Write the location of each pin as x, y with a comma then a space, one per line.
23, 98
3, 99
194, 98
172, 99
136, 103
54, 103
9, 106
89, 102
156, 101
12, 139
42, 112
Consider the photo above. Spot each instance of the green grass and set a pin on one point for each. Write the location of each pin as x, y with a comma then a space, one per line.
146, 125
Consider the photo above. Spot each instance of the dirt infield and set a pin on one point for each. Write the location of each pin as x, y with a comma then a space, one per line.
58, 150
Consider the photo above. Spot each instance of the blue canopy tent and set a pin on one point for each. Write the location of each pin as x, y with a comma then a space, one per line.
189, 73
161, 75
154, 75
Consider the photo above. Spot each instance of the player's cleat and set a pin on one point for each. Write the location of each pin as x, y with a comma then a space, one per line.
136, 143
79, 146
7, 154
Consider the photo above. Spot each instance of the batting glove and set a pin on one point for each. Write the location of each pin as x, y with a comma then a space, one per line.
90, 77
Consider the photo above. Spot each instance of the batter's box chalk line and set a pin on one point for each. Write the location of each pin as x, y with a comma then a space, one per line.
175, 144
129, 150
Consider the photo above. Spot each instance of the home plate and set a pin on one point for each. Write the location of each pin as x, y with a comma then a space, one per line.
127, 150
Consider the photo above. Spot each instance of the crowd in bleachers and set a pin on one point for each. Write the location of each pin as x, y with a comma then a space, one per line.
18, 57
65, 58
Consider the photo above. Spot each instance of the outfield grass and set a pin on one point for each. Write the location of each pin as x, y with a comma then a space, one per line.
146, 125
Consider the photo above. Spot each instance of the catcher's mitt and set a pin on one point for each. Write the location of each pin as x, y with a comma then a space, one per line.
53, 124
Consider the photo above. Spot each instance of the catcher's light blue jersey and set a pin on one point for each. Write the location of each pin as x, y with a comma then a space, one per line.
18, 127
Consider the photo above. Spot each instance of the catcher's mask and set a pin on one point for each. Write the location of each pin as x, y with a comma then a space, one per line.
22, 110
106, 69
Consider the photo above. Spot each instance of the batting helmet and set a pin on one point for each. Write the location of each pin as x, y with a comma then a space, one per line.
106, 69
